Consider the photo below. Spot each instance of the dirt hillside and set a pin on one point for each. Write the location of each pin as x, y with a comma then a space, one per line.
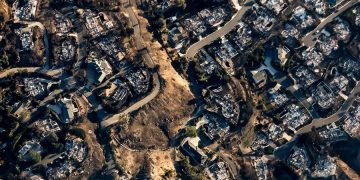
4, 13
170, 109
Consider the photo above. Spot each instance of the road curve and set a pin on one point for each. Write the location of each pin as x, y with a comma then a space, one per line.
309, 39
116, 118
193, 49
316, 123
155, 76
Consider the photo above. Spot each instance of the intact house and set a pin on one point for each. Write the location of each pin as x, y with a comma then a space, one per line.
97, 70
65, 109
259, 78
190, 147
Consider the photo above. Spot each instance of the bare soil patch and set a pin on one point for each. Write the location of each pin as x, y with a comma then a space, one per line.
157, 163
95, 159
4, 13
166, 114
162, 164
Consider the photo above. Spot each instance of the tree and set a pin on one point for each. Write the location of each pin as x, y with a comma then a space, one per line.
160, 23
129, 31
191, 131
49, 139
145, 171
195, 173
4, 61
169, 174
14, 127
56, 147
51, 142
78, 132
35, 156
181, 4
16, 140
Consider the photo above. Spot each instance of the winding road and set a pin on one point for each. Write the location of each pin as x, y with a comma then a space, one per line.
190, 53
283, 151
310, 39
117, 117
193, 49
316, 123
148, 60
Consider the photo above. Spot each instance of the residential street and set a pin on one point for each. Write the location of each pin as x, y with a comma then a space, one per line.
189, 89
117, 117
147, 58
193, 49
335, 117
310, 39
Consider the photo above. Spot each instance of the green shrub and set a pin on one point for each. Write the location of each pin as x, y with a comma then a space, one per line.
191, 131
35, 156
